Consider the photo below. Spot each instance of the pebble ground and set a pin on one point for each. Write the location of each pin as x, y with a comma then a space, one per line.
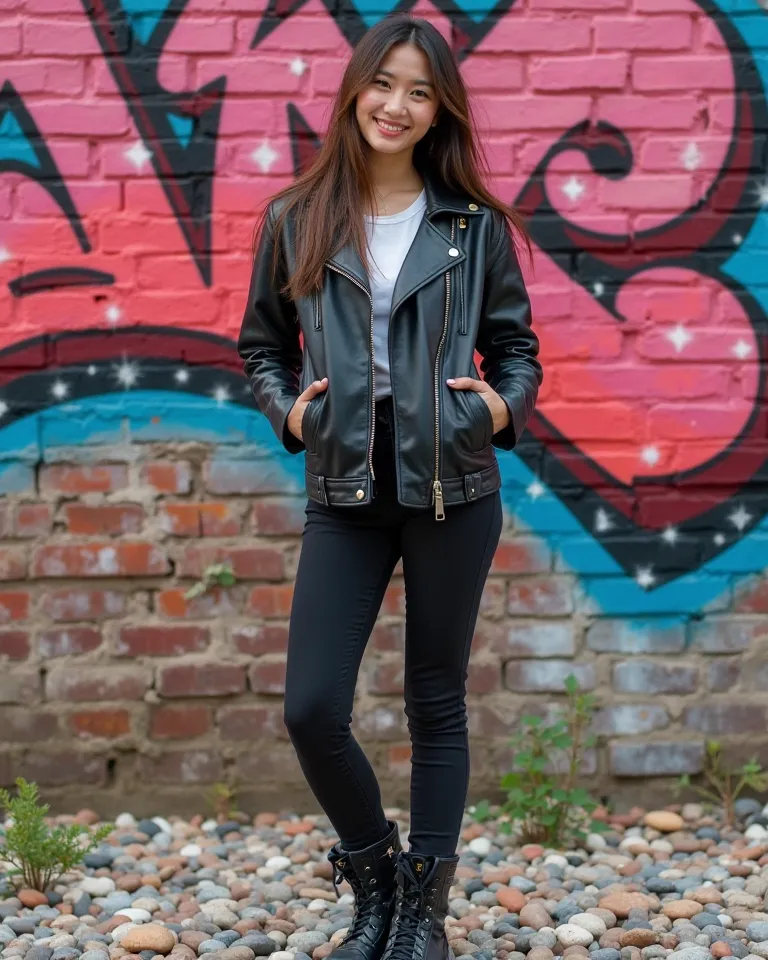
657, 883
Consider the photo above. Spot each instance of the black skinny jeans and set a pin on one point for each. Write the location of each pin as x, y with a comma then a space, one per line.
347, 558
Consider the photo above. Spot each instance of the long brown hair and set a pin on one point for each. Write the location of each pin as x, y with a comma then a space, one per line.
337, 189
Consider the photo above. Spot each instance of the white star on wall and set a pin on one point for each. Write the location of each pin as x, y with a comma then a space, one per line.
598, 288
536, 490
221, 395
573, 188
126, 374
113, 313
670, 535
264, 156
297, 67
91, 371
645, 577
762, 193
719, 539
679, 337
5, 255
60, 389
742, 349
181, 376
737, 238
691, 157
603, 522
4, 408
740, 517
138, 154
651, 456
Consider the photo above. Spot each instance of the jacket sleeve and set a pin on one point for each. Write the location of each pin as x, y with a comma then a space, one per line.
269, 341
505, 340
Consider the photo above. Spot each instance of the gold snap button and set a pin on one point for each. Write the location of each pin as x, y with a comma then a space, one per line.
453, 252
360, 494
473, 206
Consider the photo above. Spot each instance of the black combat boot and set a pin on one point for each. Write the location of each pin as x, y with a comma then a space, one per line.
371, 874
421, 905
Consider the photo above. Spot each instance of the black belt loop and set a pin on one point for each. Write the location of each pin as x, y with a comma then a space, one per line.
472, 486
321, 491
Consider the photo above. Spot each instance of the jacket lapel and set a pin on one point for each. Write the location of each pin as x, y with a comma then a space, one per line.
427, 258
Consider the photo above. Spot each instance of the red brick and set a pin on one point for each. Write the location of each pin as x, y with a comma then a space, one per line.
14, 644
271, 600
538, 639
217, 602
66, 641
493, 599
388, 637
629, 719
724, 673
100, 723
220, 520
120, 559
183, 766
161, 641
717, 719
21, 725
61, 767
656, 759
483, 721
96, 683
730, 634
645, 676
33, 520
277, 517
483, 677
13, 563
167, 477
179, 723
14, 605
267, 675
250, 723
107, 520
540, 596
75, 480
260, 638
180, 519
386, 677
76, 604
209, 679
248, 563
620, 636
394, 599
381, 721
6, 522
399, 759
521, 555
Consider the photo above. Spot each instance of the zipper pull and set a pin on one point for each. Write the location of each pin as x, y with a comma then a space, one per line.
437, 487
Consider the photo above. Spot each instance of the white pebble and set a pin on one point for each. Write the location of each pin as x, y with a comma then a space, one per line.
164, 825
191, 850
97, 886
318, 905
557, 860
590, 922
480, 846
125, 821
279, 937
278, 863
725, 920
756, 832
119, 932
595, 842
570, 935
209, 826
134, 914
282, 954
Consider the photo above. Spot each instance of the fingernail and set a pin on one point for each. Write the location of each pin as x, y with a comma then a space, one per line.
450, 380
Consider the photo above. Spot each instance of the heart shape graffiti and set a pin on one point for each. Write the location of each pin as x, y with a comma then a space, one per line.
129, 206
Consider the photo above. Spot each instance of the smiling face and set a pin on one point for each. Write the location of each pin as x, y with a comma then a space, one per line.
398, 106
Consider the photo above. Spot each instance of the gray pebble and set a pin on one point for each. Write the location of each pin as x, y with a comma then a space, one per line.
278, 891
211, 946
306, 942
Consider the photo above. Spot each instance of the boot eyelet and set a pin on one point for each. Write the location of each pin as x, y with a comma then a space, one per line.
372, 881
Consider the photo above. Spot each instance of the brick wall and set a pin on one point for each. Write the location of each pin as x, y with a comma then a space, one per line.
113, 679
137, 144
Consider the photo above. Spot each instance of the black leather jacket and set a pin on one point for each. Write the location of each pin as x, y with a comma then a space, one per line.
459, 289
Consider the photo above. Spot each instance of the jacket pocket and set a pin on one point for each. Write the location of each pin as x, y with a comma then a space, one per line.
482, 415
309, 422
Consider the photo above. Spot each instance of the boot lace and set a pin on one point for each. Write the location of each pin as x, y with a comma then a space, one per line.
409, 916
364, 903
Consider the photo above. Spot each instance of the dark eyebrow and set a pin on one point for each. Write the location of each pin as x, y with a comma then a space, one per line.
417, 83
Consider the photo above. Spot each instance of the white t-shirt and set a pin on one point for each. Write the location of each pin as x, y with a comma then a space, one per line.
389, 239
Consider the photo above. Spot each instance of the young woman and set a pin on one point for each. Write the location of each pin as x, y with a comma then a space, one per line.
378, 274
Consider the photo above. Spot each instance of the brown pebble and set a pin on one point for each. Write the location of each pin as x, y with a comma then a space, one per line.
471, 923
32, 898
621, 903
576, 950
265, 819
638, 937
681, 909
534, 914
512, 899
630, 869
319, 953
540, 953
669, 941
248, 923
720, 949
193, 938
129, 882
531, 851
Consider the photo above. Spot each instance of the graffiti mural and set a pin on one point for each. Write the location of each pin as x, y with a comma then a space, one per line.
138, 139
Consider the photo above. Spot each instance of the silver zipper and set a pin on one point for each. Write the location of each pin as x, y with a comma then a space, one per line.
367, 292
318, 310
437, 487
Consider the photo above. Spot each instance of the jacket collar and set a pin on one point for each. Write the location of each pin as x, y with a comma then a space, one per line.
427, 255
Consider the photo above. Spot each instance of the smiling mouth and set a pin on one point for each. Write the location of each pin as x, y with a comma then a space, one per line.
391, 127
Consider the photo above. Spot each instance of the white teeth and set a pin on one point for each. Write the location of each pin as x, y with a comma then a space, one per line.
395, 128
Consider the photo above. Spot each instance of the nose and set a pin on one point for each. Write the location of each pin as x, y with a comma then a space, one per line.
395, 105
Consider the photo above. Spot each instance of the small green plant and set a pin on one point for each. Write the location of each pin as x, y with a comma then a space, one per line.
220, 798
40, 855
722, 787
214, 575
543, 800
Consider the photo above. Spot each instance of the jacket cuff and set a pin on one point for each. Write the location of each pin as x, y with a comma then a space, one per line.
508, 437
277, 414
